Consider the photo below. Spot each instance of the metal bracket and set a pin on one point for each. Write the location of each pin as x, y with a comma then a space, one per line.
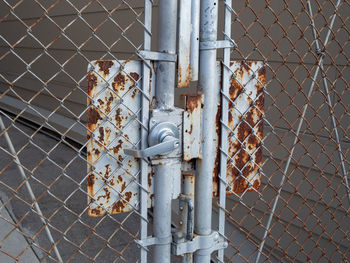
206, 245
157, 56
216, 44
150, 241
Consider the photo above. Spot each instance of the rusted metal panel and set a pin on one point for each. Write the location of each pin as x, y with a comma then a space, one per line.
184, 46
112, 120
192, 127
245, 123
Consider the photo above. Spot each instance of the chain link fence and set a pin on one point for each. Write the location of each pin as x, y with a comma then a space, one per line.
300, 211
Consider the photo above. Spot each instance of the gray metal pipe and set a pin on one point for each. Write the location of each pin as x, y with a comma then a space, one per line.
165, 90
207, 85
162, 210
224, 131
167, 22
194, 55
144, 132
186, 227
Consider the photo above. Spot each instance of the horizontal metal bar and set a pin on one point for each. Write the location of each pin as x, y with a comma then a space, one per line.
150, 241
157, 56
216, 44
204, 245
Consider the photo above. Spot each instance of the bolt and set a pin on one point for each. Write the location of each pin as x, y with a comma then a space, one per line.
181, 223
216, 236
181, 208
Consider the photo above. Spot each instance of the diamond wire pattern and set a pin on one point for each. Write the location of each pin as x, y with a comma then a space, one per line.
311, 219
45, 50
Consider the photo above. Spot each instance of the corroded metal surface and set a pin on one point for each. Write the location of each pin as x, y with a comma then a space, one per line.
192, 127
184, 44
245, 123
112, 121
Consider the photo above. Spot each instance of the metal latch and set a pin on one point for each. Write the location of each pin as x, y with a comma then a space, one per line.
164, 138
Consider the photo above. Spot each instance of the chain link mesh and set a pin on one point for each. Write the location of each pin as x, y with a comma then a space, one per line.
301, 210
45, 50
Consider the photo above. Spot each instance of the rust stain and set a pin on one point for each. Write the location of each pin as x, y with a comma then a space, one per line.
134, 92
104, 66
122, 187
108, 106
119, 82
235, 90
96, 212
119, 118
108, 171
119, 206
101, 102
184, 83
93, 116
90, 180
117, 148
108, 193
128, 196
91, 82
96, 151
101, 137
193, 101
135, 76
246, 65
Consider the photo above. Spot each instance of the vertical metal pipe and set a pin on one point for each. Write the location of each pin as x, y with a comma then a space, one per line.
167, 21
184, 44
30, 191
224, 119
194, 55
162, 210
188, 192
144, 130
165, 90
207, 85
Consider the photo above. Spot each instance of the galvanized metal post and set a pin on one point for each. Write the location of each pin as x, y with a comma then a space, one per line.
186, 213
207, 85
194, 55
167, 21
144, 131
165, 89
224, 132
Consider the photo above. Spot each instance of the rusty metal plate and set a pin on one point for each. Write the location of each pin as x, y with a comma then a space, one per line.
112, 120
245, 123
192, 127
184, 47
